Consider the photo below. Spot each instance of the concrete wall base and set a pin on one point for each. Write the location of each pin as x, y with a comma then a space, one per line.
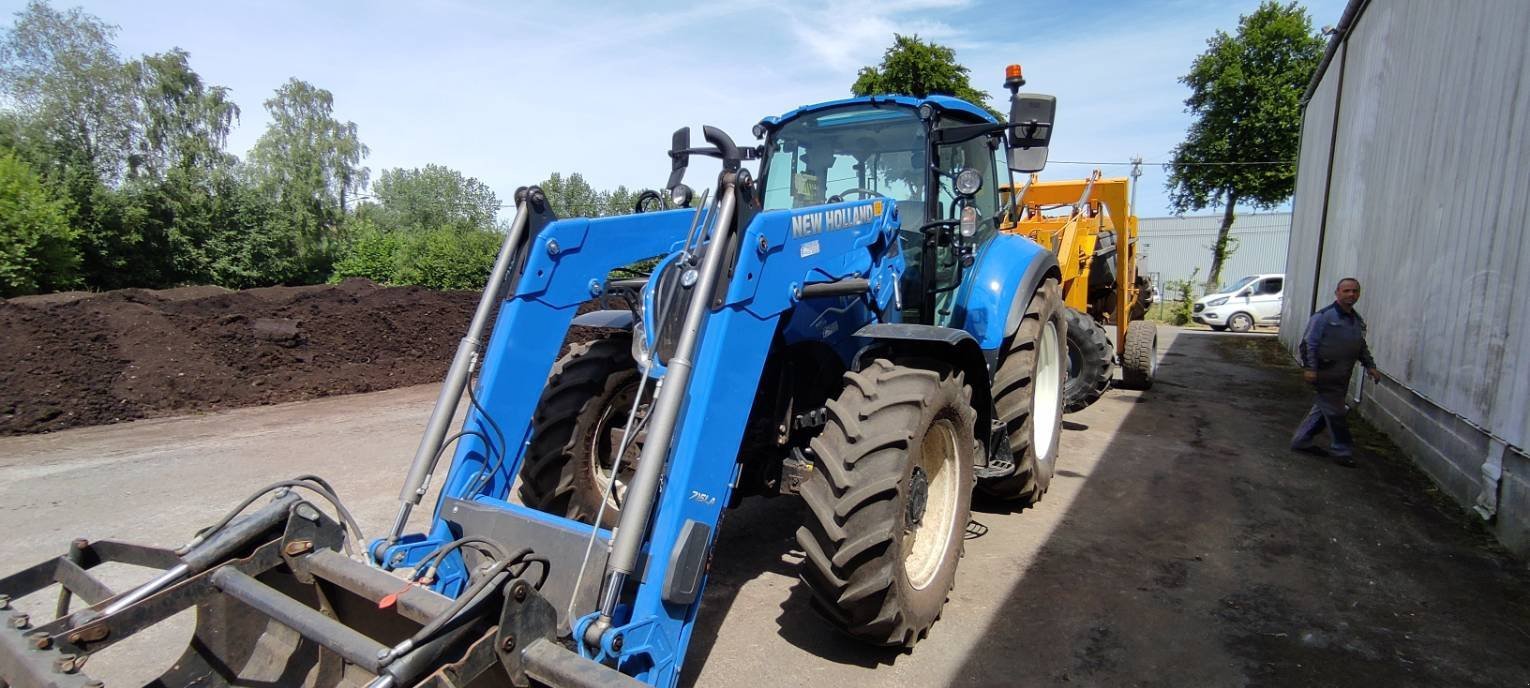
1452, 452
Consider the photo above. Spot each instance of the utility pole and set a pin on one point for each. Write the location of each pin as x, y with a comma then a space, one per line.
1136, 172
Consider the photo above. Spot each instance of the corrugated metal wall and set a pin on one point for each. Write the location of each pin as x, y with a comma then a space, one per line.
1174, 248
1307, 205
1428, 201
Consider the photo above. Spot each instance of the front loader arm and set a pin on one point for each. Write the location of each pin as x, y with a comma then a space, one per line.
777, 268
566, 264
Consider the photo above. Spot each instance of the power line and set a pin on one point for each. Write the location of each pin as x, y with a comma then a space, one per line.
1129, 163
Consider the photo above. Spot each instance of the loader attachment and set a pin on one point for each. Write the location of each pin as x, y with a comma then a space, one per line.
277, 603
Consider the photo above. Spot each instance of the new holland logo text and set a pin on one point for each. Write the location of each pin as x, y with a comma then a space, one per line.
831, 220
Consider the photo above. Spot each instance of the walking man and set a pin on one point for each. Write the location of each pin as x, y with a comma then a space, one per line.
1334, 342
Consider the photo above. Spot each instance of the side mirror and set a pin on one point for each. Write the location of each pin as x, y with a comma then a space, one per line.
1030, 130
679, 157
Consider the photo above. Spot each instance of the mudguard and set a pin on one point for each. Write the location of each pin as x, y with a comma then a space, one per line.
1007, 272
945, 343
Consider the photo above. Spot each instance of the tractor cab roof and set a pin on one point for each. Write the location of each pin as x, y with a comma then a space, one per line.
940, 102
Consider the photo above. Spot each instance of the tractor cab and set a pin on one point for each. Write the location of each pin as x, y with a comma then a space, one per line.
939, 159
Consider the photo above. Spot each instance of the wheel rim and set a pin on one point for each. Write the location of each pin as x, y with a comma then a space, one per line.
606, 438
1240, 322
1043, 420
927, 538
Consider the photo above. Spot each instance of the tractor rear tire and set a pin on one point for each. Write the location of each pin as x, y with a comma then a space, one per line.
580, 415
1139, 362
889, 500
1091, 361
1027, 393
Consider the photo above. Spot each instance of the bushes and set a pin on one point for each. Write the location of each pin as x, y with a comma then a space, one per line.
37, 249
442, 258
450, 259
1184, 302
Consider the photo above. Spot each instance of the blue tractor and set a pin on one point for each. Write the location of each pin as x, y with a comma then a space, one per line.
848, 326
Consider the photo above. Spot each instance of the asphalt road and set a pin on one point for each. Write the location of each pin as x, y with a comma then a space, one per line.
1180, 544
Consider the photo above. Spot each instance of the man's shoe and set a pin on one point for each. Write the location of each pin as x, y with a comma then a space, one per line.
1309, 448
1344, 459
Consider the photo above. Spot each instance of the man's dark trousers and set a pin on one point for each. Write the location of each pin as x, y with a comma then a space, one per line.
1327, 409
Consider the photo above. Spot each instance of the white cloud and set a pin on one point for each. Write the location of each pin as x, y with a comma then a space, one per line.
848, 34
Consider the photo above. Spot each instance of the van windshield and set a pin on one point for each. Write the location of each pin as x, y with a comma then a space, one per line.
1241, 284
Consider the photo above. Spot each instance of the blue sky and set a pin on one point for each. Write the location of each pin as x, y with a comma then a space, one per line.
510, 92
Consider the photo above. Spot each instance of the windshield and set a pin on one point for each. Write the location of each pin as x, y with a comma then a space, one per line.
1240, 284
852, 152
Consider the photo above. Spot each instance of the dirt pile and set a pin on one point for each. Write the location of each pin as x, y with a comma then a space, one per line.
76, 359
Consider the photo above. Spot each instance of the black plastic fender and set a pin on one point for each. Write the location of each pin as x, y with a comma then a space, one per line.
943, 343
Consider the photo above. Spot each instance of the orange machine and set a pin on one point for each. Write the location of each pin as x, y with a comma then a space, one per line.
1088, 224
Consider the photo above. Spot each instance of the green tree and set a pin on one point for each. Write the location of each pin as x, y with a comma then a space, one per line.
572, 196
37, 251
63, 74
309, 163
914, 67
72, 121
619, 202
183, 123
1245, 94
430, 197
431, 226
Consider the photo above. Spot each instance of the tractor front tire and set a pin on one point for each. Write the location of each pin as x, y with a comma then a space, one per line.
1091, 361
578, 422
1139, 308
889, 500
1027, 393
1139, 362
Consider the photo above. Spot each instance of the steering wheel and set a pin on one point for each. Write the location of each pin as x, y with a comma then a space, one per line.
865, 193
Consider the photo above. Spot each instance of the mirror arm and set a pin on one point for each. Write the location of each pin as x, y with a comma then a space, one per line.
967, 132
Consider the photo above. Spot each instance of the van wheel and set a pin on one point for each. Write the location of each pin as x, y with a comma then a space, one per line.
1240, 322
889, 500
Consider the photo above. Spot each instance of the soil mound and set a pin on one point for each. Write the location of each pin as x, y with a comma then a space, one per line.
89, 359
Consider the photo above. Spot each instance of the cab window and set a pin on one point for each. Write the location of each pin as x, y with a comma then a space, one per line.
981, 155
846, 153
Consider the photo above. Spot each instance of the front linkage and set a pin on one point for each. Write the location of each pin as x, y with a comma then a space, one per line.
277, 601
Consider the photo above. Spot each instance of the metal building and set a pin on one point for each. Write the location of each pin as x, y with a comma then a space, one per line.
1414, 176
1174, 248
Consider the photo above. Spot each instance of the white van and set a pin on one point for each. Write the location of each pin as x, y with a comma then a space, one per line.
1253, 300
